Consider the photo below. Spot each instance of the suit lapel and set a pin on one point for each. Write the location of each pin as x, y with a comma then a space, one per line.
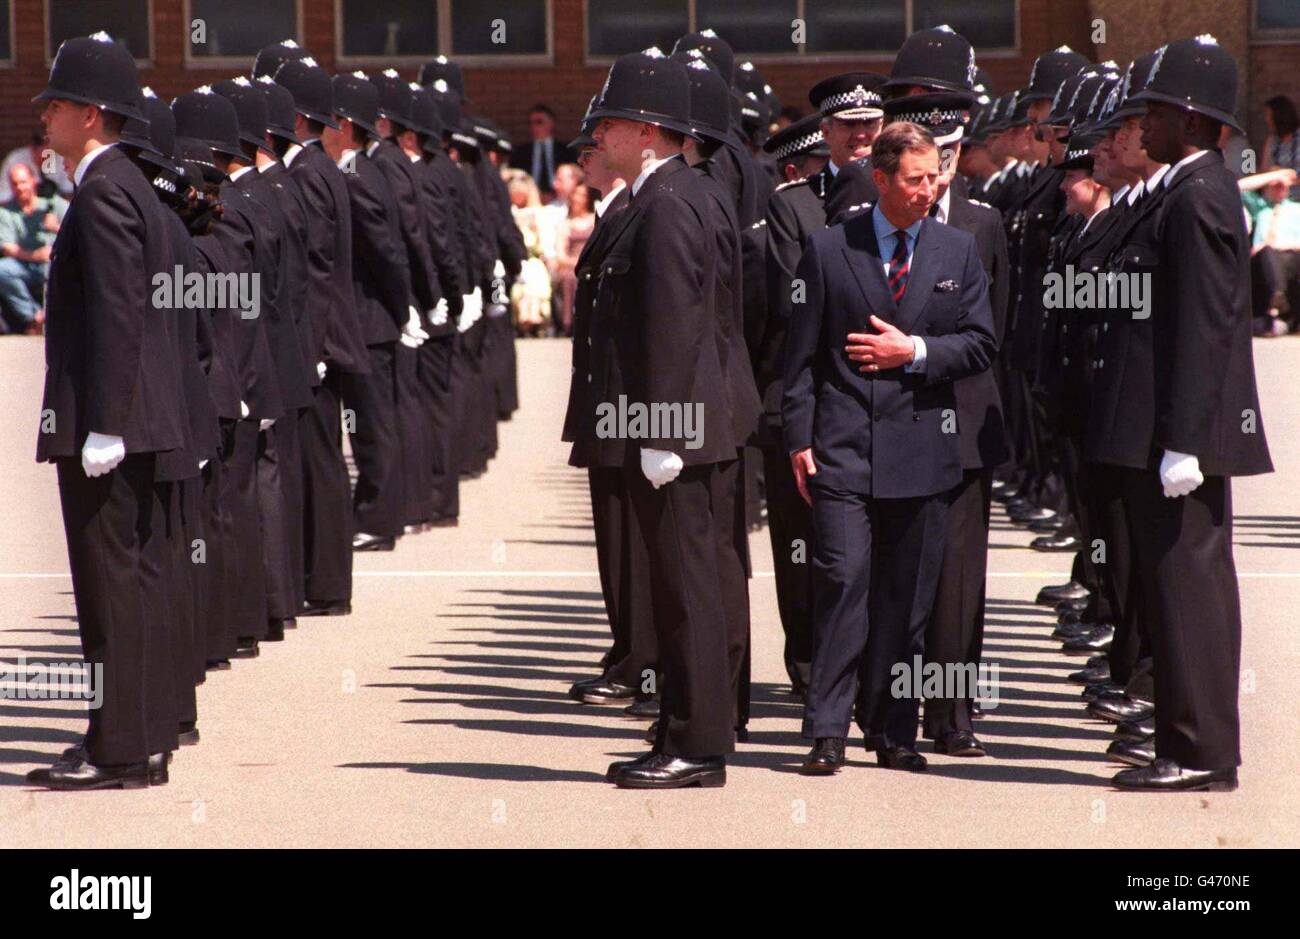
863, 257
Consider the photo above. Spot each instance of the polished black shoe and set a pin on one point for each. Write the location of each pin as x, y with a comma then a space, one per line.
274, 631
290, 623
601, 691
1055, 593
901, 758
1098, 639
79, 774
663, 771
246, 647
826, 758
326, 608
445, 521
1046, 526
1134, 752
1136, 730
415, 528
1072, 606
1167, 776
218, 665
188, 735
652, 732
1072, 630
647, 710
975, 709
1025, 517
1070, 617
1055, 542
364, 541
158, 763
1121, 709
1100, 689
1098, 660
615, 767
1019, 503
959, 743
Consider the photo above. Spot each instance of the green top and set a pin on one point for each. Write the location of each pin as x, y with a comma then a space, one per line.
28, 230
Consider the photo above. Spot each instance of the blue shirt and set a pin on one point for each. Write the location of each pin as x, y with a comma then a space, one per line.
887, 240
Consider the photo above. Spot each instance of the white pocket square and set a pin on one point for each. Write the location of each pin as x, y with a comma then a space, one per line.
946, 286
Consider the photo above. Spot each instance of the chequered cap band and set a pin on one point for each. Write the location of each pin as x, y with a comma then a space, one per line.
932, 118
798, 145
856, 100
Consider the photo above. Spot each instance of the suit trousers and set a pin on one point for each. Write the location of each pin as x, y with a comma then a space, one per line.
217, 571
507, 367
624, 565
327, 498
178, 584
372, 398
435, 375
413, 439
248, 603
280, 497
697, 700
789, 526
876, 566
1183, 548
732, 537
955, 633
115, 525
195, 554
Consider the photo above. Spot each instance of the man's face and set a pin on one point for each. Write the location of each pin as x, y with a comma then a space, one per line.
1163, 132
1080, 192
850, 140
1103, 160
566, 180
540, 125
907, 195
595, 167
1128, 148
621, 142
22, 183
67, 126
1276, 192
335, 141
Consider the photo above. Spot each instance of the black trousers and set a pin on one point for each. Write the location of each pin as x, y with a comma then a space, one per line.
875, 572
1183, 548
280, 499
955, 633
414, 444
789, 525
624, 564
435, 369
1130, 650
507, 367
115, 527
327, 498
217, 572
697, 701
194, 557
372, 399
732, 538
248, 613
178, 594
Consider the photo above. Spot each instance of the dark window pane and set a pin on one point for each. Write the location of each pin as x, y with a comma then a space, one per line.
390, 27
474, 26
1277, 14
6, 50
240, 27
125, 20
986, 24
855, 25
750, 26
616, 27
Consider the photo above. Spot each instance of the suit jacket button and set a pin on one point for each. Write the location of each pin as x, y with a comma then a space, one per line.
1100, 363
1065, 361
915, 416
589, 378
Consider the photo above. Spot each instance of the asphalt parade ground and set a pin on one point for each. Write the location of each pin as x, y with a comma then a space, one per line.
437, 715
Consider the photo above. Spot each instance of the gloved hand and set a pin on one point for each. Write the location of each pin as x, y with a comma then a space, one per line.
101, 453
413, 334
265, 423
660, 466
1180, 473
438, 315
320, 370
202, 463
243, 409
471, 310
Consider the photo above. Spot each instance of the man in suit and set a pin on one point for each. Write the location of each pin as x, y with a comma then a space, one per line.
112, 402
864, 426
1180, 412
544, 153
655, 344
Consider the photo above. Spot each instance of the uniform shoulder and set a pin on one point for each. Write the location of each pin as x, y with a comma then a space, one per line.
791, 185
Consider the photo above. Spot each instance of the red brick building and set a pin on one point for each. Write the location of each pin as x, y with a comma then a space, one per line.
518, 52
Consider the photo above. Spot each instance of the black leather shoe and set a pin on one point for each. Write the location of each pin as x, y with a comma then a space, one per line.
445, 521
1121, 709
290, 623
1074, 630
79, 774
652, 732
364, 541
1019, 503
1055, 593
1098, 660
901, 758
1134, 753
643, 710
1049, 544
601, 691
415, 528
1070, 617
1167, 776
1072, 606
1027, 516
274, 631
188, 735
326, 608
246, 648
959, 743
663, 771
158, 763
826, 758
614, 768
1098, 639
975, 709
1136, 730
1101, 689
1046, 526
218, 665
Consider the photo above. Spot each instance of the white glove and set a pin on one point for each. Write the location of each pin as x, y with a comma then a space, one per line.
243, 409
1180, 473
412, 333
265, 423
660, 466
320, 370
101, 453
499, 270
202, 463
471, 310
438, 315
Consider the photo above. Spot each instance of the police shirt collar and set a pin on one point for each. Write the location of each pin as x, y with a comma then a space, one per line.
1154, 179
346, 158
293, 151
609, 197
645, 173
1180, 164
84, 165
372, 147
234, 176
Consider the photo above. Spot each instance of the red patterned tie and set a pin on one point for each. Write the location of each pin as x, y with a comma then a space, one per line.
898, 268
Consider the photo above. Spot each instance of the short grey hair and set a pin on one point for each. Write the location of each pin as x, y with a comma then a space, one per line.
896, 139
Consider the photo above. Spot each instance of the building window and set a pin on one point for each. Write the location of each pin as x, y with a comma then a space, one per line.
409, 32
770, 28
1276, 19
127, 21
6, 32
237, 29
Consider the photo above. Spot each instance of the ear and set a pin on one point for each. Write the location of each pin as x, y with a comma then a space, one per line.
879, 177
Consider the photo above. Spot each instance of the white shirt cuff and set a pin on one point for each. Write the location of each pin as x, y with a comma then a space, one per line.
918, 356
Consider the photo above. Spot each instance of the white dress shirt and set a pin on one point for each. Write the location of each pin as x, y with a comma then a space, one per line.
645, 173
89, 158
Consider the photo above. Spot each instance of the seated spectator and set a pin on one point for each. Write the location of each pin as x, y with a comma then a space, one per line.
28, 226
1275, 262
573, 234
544, 155
531, 292
1282, 148
46, 167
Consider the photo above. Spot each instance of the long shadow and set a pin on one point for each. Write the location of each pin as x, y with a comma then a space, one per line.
500, 772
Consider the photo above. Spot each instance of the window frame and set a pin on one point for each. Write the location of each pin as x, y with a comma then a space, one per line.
12, 60
147, 62
802, 55
443, 7
225, 62
1270, 37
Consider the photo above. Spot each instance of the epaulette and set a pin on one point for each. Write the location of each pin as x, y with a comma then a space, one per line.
977, 202
762, 222
793, 182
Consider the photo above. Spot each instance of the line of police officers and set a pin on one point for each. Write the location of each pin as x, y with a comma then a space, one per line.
1113, 426
242, 276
